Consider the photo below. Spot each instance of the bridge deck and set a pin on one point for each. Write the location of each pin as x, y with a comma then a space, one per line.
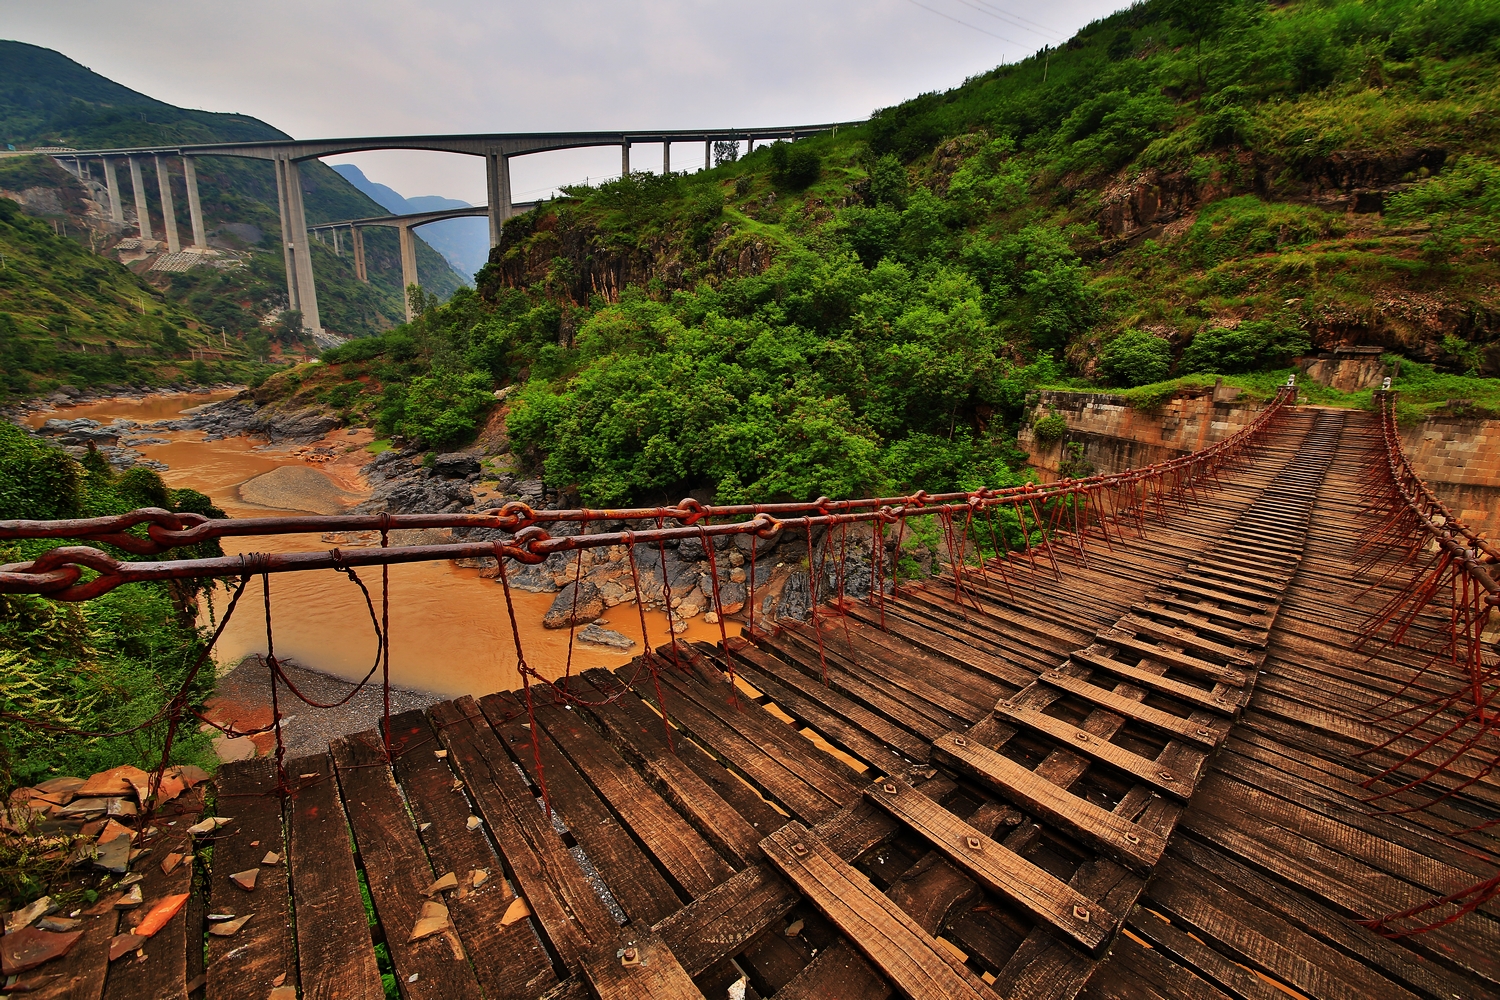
1136, 780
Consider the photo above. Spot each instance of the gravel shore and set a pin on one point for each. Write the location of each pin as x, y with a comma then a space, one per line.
244, 698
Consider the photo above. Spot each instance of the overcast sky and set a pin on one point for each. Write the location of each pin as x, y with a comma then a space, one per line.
379, 67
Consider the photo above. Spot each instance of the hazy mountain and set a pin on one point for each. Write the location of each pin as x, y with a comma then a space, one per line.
464, 243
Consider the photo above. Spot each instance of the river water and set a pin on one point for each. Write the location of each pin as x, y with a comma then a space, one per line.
449, 629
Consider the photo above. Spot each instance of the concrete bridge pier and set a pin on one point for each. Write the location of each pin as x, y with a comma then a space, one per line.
408, 268
112, 183
302, 295
624, 159
497, 187
357, 239
195, 207
666, 157
142, 214
168, 212
708, 154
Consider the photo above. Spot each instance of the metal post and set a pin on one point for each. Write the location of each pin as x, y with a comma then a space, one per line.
168, 212
625, 159
142, 214
358, 239
195, 208
408, 268
307, 292
112, 183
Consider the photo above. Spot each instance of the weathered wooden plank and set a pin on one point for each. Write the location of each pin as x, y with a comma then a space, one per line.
905, 954
1221, 699
80, 974
1040, 893
335, 956
691, 863
1180, 586
508, 956
397, 872
245, 966
836, 971
640, 967
1129, 843
571, 915
1190, 639
1205, 733
1199, 622
725, 809
1192, 953
1172, 658
639, 889
164, 970
1083, 742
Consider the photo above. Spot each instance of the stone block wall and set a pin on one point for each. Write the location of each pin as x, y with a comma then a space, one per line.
1116, 436
1460, 460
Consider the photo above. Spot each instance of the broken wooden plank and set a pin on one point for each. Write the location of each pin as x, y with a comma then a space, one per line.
904, 953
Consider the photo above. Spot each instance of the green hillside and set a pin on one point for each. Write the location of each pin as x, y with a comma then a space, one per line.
1189, 188
48, 100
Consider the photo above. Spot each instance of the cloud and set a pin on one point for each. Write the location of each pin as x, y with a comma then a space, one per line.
316, 68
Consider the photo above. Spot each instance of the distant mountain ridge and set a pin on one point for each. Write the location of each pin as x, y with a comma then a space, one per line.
464, 243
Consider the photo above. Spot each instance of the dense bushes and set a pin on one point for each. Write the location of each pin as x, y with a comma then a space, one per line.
105, 665
1135, 358
1251, 346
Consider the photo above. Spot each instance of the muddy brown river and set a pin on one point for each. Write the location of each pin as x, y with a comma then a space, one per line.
449, 630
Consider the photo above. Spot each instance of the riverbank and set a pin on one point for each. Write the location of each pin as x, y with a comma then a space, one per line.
242, 701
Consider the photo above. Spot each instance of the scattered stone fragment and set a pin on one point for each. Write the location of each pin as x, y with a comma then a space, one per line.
424, 827
245, 879
209, 825
440, 754
170, 862
443, 884
433, 920
794, 928
283, 993
413, 977
61, 925
130, 900
25, 917
271, 858
192, 774
123, 944
517, 910
90, 808
105, 905
228, 928
60, 786
129, 880
478, 877
28, 947
113, 856
216, 917
281, 978
474, 823
116, 781
162, 911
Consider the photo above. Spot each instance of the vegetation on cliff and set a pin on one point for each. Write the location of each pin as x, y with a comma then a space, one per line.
1170, 194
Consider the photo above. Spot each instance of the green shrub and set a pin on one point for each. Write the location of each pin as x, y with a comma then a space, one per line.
1135, 358
443, 409
1252, 346
1050, 428
794, 165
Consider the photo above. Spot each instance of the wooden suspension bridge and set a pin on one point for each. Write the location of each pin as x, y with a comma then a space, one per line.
1149, 774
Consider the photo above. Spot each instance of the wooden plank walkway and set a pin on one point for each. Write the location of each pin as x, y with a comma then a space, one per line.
1132, 778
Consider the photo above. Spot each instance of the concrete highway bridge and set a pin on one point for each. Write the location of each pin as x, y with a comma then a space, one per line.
497, 149
1217, 728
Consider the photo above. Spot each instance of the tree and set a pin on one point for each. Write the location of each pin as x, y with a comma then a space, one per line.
1202, 19
726, 152
1134, 358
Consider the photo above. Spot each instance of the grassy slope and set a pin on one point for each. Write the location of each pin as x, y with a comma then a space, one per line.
1316, 174
47, 99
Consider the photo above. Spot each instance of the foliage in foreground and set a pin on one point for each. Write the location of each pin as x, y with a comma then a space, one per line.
100, 666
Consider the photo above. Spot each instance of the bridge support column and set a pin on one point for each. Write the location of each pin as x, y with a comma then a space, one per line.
497, 188
408, 268
168, 212
752, 146
708, 154
666, 157
195, 207
142, 214
624, 159
357, 238
301, 293
112, 183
